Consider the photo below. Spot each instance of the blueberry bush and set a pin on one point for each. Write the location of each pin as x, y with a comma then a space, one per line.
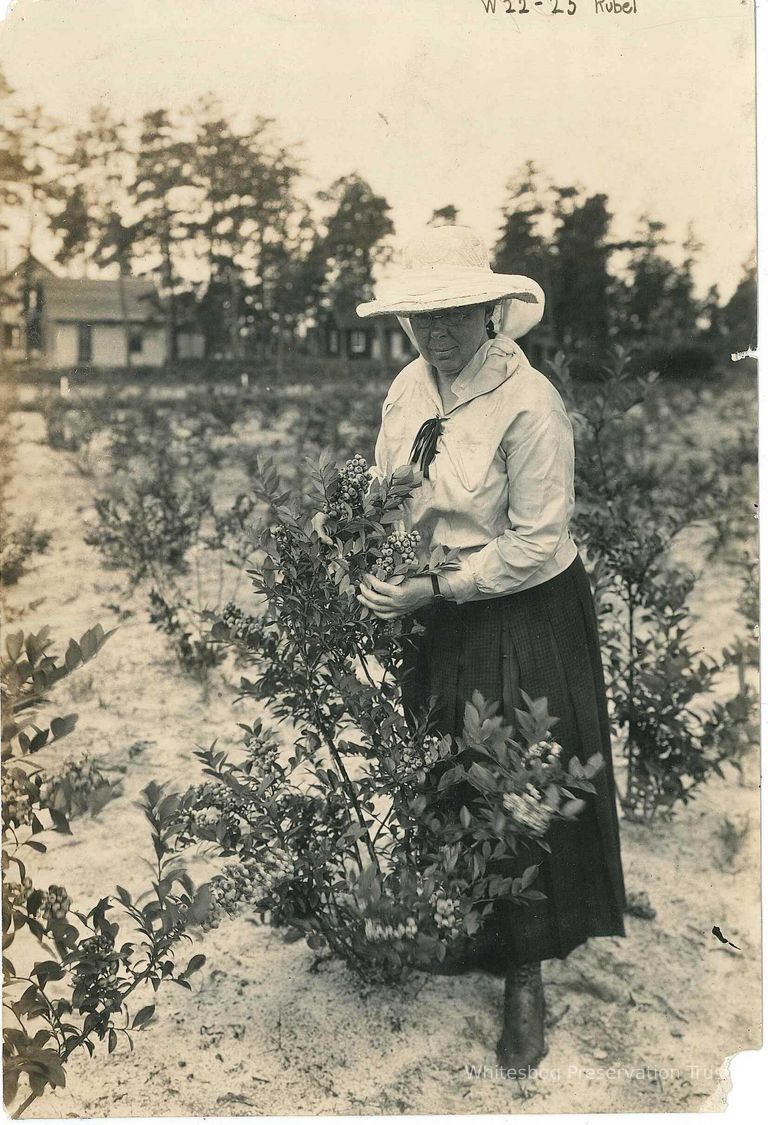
19, 543
638, 493
374, 836
96, 961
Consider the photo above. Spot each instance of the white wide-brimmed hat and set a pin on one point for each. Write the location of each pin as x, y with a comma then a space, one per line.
447, 267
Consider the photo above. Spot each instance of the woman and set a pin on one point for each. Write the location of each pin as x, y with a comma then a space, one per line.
495, 445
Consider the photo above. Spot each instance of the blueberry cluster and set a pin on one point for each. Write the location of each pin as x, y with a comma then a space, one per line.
528, 811
421, 756
52, 906
55, 905
215, 803
80, 774
223, 904
241, 626
279, 868
447, 913
398, 549
384, 931
239, 884
95, 979
17, 806
546, 751
262, 761
350, 486
258, 748
99, 946
16, 894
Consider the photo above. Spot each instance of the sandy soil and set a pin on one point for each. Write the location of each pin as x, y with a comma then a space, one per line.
645, 1023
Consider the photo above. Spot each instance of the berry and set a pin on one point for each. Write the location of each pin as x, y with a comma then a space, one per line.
55, 905
247, 883
398, 549
527, 810
16, 894
77, 777
16, 797
420, 756
95, 978
241, 626
350, 486
377, 932
446, 913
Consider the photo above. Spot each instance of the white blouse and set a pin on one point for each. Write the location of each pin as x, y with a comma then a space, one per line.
500, 488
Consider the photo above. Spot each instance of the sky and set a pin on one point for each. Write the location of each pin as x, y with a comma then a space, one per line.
439, 102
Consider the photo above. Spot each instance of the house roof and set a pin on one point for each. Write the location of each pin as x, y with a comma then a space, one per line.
100, 300
29, 269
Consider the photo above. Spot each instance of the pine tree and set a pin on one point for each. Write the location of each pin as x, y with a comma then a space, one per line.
13, 171
354, 242
740, 313
29, 191
657, 308
92, 225
245, 218
523, 245
581, 284
158, 193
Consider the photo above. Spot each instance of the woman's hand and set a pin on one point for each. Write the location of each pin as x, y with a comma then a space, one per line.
389, 601
319, 520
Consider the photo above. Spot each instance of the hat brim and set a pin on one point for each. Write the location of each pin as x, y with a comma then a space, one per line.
491, 287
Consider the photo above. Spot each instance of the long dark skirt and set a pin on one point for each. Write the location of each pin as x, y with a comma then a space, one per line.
543, 641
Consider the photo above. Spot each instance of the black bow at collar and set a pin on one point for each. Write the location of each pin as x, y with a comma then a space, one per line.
424, 448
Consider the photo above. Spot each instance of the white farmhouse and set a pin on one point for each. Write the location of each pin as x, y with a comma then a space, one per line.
63, 322
100, 323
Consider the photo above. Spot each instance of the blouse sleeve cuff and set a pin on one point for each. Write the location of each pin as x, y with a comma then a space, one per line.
462, 583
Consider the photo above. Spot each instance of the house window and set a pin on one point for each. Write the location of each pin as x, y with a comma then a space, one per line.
12, 334
84, 343
135, 341
33, 298
357, 342
333, 341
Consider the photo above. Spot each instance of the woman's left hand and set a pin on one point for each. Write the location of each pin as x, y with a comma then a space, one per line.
389, 601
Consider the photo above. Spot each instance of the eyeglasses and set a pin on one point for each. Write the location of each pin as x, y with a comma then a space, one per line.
451, 317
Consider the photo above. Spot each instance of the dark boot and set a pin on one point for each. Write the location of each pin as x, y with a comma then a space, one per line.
522, 1045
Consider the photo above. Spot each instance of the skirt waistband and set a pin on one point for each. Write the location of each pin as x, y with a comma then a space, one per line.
485, 607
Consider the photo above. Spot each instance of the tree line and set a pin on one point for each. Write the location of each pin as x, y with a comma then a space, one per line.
217, 214
638, 291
